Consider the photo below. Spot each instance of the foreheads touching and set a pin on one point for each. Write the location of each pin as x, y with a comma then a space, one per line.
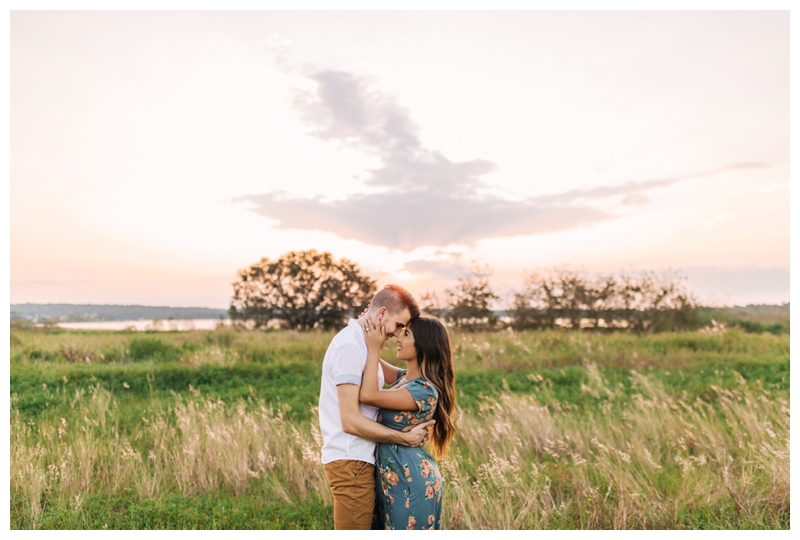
395, 307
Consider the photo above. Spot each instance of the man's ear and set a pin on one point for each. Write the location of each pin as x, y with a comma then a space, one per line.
381, 312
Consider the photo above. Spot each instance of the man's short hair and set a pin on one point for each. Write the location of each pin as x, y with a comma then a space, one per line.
395, 299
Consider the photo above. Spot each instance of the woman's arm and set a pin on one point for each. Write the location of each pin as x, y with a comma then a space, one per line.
399, 399
355, 423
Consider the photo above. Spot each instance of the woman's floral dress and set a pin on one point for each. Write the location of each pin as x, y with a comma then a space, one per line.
408, 483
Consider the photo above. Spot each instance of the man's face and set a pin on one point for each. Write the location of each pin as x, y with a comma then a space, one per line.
394, 323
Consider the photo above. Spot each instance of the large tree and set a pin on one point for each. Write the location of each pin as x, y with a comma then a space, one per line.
301, 290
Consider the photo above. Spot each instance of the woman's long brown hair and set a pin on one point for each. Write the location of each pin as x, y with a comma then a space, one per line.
435, 359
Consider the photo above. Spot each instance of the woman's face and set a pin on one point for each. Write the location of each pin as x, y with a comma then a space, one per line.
405, 345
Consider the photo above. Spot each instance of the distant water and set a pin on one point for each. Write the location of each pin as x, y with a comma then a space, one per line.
152, 324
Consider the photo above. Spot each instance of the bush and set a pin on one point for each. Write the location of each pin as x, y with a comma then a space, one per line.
755, 327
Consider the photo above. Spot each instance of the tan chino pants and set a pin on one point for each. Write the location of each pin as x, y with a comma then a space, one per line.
353, 485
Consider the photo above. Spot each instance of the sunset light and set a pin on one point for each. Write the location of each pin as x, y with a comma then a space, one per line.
399, 266
413, 143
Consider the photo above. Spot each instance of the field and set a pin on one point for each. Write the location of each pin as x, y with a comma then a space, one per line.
557, 430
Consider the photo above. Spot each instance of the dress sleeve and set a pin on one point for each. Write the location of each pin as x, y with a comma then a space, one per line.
424, 393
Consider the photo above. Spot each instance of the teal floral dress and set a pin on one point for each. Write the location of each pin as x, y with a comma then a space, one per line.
408, 483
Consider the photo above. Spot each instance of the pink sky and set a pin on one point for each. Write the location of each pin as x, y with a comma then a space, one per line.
155, 153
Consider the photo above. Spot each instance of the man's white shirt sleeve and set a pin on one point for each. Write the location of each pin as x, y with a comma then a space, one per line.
347, 365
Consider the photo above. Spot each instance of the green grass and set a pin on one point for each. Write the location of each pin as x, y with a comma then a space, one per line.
285, 368
216, 510
581, 379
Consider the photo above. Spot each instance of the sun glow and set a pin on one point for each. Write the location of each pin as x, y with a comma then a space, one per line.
239, 136
405, 275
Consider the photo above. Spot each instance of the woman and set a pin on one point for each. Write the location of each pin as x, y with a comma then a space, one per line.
408, 483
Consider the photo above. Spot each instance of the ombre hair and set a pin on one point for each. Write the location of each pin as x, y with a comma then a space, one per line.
435, 359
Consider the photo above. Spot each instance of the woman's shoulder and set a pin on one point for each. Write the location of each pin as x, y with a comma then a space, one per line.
425, 385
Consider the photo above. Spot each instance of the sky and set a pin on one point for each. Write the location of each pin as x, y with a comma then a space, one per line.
155, 153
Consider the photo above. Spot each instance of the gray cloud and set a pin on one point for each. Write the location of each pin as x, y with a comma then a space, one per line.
428, 200
633, 190
420, 218
346, 109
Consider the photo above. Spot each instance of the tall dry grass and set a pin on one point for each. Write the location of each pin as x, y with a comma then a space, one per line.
524, 465
517, 463
199, 445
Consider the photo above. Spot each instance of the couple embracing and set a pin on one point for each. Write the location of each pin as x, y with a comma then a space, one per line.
373, 437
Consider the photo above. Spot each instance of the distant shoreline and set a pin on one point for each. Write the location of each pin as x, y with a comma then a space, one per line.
74, 313
151, 324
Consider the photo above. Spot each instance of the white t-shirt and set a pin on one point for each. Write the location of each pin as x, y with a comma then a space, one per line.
344, 364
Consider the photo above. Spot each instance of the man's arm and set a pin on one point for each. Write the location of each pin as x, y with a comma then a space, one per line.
355, 423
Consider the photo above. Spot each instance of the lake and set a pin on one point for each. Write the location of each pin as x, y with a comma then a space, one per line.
148, 324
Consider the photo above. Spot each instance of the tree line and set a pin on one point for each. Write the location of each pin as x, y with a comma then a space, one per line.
307, 290
560, 298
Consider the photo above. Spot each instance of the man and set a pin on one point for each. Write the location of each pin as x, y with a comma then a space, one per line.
349, 429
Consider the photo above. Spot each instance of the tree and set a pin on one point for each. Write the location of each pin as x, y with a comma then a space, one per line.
301, 290
656, 302
431, 303
469, 302
640, 302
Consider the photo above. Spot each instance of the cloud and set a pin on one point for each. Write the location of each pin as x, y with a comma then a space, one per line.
450, 271
346, 108
426, 199
413, 219
635, 199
